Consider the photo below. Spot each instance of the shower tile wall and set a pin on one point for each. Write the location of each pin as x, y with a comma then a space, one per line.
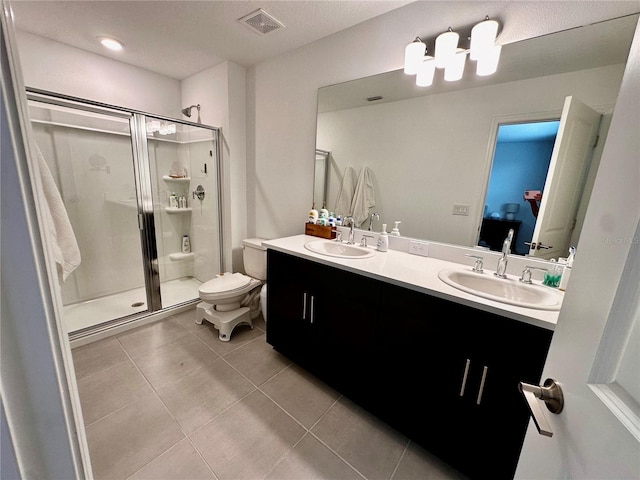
170, 227
204, 218
201, 223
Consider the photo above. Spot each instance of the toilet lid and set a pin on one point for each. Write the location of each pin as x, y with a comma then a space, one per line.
225, 282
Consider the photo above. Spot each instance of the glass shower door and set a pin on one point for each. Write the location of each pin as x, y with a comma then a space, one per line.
183, 162
89, 153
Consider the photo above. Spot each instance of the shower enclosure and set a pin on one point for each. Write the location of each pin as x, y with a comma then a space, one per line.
142, 194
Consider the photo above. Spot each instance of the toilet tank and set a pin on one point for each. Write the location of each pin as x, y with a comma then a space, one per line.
254, 257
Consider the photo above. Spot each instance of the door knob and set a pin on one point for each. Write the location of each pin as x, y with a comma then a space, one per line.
551, 394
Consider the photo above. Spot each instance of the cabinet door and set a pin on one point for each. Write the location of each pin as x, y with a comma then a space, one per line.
491, 415
508, 352
347, 311
420, 364
290, 327
325, 319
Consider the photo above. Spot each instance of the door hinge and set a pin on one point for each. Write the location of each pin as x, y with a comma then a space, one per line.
595, 143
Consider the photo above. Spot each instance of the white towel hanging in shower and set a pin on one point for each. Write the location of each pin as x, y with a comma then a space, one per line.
59, 232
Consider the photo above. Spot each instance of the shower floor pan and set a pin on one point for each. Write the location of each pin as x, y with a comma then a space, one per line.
78, 316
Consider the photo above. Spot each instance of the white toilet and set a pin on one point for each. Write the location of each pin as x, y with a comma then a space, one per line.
233, 299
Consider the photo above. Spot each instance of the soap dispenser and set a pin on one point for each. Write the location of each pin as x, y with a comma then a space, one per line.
396, 231
383, 239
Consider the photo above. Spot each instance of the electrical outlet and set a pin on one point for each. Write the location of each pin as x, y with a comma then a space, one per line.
419, 248
461, 209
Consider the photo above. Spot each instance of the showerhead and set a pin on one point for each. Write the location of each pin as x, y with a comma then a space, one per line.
187, 111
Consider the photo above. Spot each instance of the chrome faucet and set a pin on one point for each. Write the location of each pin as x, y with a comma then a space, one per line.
373, 215
352, 224
501, 269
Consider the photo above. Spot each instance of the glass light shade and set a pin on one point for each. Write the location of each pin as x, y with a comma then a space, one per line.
426, 72
483, 38
488, 63
446, 45
455, 67
413, 55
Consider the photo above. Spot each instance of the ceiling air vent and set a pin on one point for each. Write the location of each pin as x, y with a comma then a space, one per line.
261, 22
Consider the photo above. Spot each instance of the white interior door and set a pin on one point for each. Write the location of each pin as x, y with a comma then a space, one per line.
563, 187
595, 351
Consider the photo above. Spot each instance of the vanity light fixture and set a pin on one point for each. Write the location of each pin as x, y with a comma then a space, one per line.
449, 56
111, 43
446, 48
413, 55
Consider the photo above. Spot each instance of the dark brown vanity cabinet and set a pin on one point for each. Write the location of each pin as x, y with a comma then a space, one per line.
324, 318
444, 374
470, 363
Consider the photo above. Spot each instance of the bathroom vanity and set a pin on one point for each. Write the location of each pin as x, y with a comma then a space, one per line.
439, 365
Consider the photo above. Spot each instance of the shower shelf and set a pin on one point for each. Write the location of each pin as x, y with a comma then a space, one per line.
177, 210
167, 178
179, 256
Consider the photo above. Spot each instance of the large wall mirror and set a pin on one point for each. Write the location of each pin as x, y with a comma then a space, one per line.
429, 151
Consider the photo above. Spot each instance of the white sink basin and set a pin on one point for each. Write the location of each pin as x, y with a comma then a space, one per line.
510, 291
338, 249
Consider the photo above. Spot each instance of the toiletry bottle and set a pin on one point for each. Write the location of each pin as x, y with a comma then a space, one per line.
383, 239
324, 212
313, 214
186, 244
396, 231
173, 200
566, 273
182, 202
552, 276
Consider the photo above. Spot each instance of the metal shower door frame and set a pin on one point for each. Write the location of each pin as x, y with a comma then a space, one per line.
143, 183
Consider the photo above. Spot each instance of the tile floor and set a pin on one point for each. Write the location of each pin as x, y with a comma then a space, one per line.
171, 401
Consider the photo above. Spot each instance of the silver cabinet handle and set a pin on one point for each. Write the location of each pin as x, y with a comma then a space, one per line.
304, 306
551, 394
464, 377
311, 319
485, 370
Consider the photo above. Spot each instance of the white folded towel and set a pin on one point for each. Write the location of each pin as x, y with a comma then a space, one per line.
58, 227
364, 197
347, 189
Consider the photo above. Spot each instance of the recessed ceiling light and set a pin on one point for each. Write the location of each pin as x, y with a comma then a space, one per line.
111, 43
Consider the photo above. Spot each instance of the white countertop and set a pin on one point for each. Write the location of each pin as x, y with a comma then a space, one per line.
414, 272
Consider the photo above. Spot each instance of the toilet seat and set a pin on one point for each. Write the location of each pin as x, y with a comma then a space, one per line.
226, 286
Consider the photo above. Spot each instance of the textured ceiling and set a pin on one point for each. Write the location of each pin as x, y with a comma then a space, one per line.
179, 38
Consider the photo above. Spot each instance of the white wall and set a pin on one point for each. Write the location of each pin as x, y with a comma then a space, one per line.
60, 68
220, 91
282, 123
